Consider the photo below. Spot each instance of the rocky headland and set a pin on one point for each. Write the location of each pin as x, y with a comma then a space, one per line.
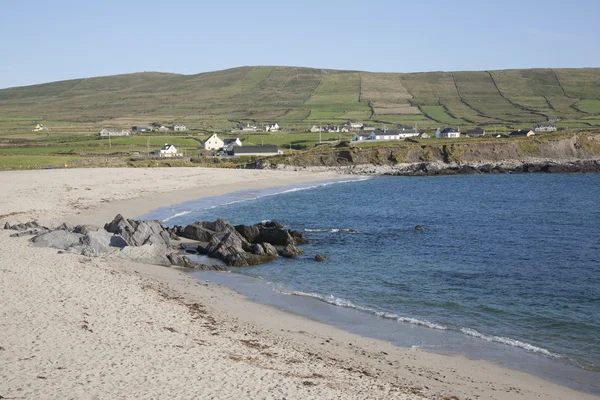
151, 243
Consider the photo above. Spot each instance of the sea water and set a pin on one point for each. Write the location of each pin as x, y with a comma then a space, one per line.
506, 268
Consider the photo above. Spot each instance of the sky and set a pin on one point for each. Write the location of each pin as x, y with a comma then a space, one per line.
51, 40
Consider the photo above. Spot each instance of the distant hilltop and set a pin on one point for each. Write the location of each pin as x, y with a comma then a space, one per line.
298, 98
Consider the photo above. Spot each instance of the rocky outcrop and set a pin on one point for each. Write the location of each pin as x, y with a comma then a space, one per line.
149, 242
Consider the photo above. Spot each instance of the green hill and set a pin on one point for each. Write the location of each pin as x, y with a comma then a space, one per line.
297, 98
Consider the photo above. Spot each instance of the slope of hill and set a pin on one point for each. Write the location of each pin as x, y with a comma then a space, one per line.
300, 97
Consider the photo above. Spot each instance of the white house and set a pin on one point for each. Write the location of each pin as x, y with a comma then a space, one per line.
345, 129
355, 125
113, 132
178, 126
447, 133
392, 134
332, 129
272, 127
229, 144
544, 128
213, 143
162, 128
316, 129
40, 128
168, 150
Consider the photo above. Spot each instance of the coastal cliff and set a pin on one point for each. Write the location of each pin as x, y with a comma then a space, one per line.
565, 153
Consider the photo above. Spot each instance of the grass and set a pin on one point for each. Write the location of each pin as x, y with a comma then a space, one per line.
34, 161
439, 114
589, 106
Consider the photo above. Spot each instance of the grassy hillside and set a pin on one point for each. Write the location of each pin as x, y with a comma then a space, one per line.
297, 98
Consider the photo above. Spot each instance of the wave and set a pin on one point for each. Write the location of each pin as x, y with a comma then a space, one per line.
176, 215
332, 230
340, 302
508, 341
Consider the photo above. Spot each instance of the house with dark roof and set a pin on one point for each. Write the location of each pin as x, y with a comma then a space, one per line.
140, 128
544, 127
229, 144
392, 134
178, 126
113, 132
474, 132
447, 133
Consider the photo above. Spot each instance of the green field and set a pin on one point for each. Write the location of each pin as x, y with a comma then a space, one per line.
297, 98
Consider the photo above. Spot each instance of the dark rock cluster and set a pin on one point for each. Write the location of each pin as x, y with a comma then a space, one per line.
150, 242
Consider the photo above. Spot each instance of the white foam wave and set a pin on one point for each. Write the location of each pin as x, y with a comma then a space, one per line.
176, 215
508, 341
337, 301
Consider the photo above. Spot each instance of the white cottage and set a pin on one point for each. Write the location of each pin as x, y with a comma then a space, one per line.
168, 150
272, 127
359, 138
213, 143
393, 134
447, 133
229, 144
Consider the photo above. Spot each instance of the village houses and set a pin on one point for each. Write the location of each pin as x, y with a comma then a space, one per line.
229, 144
272, 127
246, 127
393, 134
522, 133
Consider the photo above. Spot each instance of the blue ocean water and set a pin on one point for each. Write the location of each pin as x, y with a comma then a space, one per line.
512, 260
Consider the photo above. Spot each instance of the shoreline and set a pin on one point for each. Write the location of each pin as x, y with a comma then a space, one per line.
296, 357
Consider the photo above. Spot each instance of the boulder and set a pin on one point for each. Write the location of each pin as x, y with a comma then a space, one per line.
58, 239
419, 228
257, 249
270, 250
183, 261
319, 257
83, 229
290, 251
99, 243
6, 225
147, 253
197, 231
229, 247
65, 227
139, 233
248, 232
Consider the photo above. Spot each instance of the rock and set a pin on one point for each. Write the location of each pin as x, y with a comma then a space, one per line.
58, 239
290, 251
83, 229
229, 247
277, 236
148, 253
319, 257
419, 228
183, 261
257, 249
197, 232
248, 232
99, 243
32, 225
139, 233
7, 226
270, 250
65, 227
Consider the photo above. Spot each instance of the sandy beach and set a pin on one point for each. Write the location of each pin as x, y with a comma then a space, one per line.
74, 327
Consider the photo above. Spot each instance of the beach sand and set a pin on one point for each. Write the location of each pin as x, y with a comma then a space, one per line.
73, 327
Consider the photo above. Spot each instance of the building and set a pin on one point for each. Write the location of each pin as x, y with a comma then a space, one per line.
474, 132
553, 119
40, 128
267, 150
354, 125
523, 133
139, 128
424, 135
332, 129
272, 127
359, 138
392, 134
229, 144
178, 126
162, 128
213, 143
246, 127
408, 130
368, 128
316, 129
447, 133
113, 132
345, 129
544, 127
168, 150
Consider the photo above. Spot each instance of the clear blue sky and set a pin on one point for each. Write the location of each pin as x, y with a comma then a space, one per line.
43, 40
